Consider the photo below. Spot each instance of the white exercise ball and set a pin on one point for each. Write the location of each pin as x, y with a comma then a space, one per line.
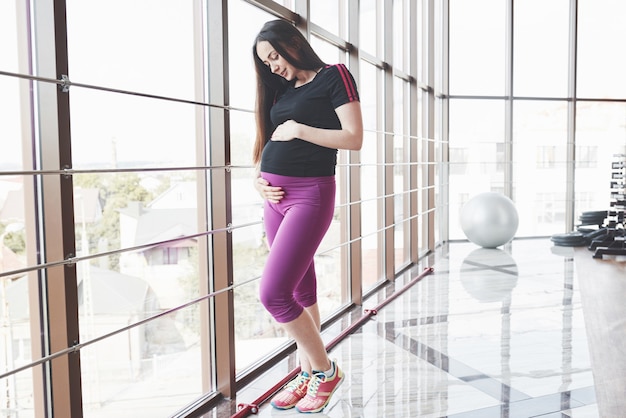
489, 219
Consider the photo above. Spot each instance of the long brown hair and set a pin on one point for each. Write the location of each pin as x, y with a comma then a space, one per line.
289, 42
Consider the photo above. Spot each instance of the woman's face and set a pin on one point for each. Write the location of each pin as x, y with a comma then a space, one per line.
276, 63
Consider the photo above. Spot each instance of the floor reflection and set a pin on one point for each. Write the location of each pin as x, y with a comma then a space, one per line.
489, 275
491, 333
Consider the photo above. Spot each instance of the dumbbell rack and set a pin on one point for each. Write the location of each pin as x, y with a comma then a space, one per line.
612, 243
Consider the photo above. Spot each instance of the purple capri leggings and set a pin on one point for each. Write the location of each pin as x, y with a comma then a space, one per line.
295, 227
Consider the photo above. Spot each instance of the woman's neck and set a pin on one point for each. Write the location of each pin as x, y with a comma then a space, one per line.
305, 77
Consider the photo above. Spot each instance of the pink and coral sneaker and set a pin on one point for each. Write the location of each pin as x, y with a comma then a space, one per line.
292, 392
320, 389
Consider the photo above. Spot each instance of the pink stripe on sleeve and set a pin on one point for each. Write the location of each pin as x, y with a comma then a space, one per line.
347, 82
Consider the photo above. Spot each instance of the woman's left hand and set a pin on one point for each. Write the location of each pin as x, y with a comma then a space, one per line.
286, 131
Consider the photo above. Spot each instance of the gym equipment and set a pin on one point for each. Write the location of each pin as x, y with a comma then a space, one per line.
608, 240
611, 244
489, 219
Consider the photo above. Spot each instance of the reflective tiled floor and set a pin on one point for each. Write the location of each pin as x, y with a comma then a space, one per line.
490, 333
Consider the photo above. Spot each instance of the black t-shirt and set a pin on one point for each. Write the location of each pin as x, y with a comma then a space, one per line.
311, 104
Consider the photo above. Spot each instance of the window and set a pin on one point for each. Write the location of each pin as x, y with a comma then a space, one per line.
599, 31
541, 48
477, 47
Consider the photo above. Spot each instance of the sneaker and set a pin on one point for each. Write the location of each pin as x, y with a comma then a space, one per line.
292, 393
321, 388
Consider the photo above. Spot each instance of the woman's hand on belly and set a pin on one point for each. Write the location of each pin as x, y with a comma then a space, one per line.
286, 131
273, 194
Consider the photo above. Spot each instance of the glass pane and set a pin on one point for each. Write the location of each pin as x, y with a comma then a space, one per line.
419, 41
245, 22
444, 213
8, 34
125, 210
152, 369
370, 217
149, 49
368, 37
111, 130
242, 135
401, 177
328, 14
15, 194
248, 234
477, 47
329, 53
600, 133
400, 34
420, 196
287, 3
601, 34
15, 323
539, 166
476, 154
257, 334
421, 142
154, 211
336, 243
10, 128
442, 208
328, 269
371, 258
541, 48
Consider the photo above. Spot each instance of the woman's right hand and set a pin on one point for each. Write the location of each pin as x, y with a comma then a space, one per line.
267, 192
